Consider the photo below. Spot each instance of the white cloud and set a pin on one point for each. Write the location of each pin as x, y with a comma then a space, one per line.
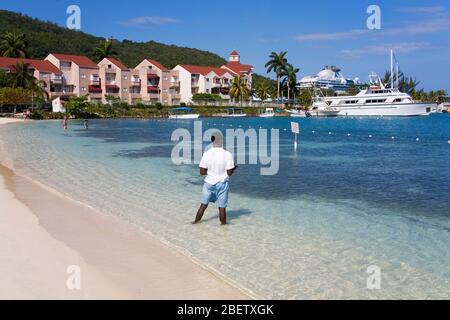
150, 20
437, 20
353, 34
424, 10
381, 49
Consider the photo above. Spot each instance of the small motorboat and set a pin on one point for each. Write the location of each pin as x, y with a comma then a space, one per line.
269, 113
235, 113
183, 113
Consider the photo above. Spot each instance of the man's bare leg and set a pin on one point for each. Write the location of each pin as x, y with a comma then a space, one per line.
223, 216
200, 213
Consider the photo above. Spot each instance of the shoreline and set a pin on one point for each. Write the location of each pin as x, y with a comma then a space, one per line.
119, 260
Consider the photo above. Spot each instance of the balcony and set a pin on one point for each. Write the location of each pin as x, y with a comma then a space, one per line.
112, 88
95, 89
153, 89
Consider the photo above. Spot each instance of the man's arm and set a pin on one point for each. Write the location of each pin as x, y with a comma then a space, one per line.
231, 171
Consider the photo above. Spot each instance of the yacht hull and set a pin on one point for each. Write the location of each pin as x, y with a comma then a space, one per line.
184, 116
387, 110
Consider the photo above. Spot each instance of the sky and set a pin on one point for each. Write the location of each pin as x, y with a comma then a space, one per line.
314, 33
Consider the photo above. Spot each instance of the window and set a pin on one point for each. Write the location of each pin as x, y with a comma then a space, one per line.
125, 77
125, 89
83, 88
207, 90
83, 76
398, 100
207, 79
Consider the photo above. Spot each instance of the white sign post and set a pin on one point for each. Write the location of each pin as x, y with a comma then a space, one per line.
295, 127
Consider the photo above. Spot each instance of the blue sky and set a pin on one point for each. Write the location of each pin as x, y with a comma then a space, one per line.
314, 33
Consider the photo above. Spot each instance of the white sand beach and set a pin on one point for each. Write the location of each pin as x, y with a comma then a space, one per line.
42, 234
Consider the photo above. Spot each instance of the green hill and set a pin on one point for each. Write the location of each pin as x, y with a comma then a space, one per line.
45, 37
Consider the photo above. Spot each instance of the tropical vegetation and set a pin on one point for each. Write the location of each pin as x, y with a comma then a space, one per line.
13, 45
104, 50
239, 89
277, 64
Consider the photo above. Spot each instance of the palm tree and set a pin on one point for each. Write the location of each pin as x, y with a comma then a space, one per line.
104, 50
13, 45
22, 78
263, 90
277, 63
290, 79
239, 89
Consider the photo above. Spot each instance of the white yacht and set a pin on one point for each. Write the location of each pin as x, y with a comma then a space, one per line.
377, 100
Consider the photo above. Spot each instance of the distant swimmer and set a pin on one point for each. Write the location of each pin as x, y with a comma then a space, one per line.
86, 124
65, 122
217, 165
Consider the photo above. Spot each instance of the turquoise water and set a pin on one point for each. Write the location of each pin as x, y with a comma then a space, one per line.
338, 205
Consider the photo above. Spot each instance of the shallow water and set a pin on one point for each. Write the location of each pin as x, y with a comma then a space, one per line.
337, 206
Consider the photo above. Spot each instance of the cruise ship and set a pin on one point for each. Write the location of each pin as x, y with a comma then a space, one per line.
329, 78
378, 100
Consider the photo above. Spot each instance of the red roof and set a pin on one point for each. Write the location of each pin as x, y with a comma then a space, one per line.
41, 65
157, 64
204, 70
234, 53
118, 64
81, 61
238, 67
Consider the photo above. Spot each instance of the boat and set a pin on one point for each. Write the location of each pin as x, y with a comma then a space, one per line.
269, 113
444, 107
297, 113
235, 113
183, 113
380, 101
329, 78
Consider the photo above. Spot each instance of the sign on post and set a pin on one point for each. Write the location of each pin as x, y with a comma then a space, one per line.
295, 127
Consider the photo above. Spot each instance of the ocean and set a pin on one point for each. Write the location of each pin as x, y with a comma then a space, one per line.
359, 194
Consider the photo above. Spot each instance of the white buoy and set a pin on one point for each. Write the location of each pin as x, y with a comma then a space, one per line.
448, 141
417, 139
348, 134
392, 137
313, 131
329, 132
370, 136
285, 129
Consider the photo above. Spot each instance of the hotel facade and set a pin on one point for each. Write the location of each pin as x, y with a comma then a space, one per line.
63, 76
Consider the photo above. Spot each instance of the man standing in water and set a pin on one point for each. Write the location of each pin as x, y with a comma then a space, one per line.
217, 165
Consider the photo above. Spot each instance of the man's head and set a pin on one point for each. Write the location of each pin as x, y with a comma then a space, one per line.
217, 139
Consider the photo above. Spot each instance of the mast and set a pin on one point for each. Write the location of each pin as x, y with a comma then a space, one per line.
392, 68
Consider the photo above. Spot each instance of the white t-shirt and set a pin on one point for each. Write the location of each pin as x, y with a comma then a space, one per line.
217, 161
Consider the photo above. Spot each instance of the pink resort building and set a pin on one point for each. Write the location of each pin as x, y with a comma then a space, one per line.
48, 74
65, 75
80, 76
